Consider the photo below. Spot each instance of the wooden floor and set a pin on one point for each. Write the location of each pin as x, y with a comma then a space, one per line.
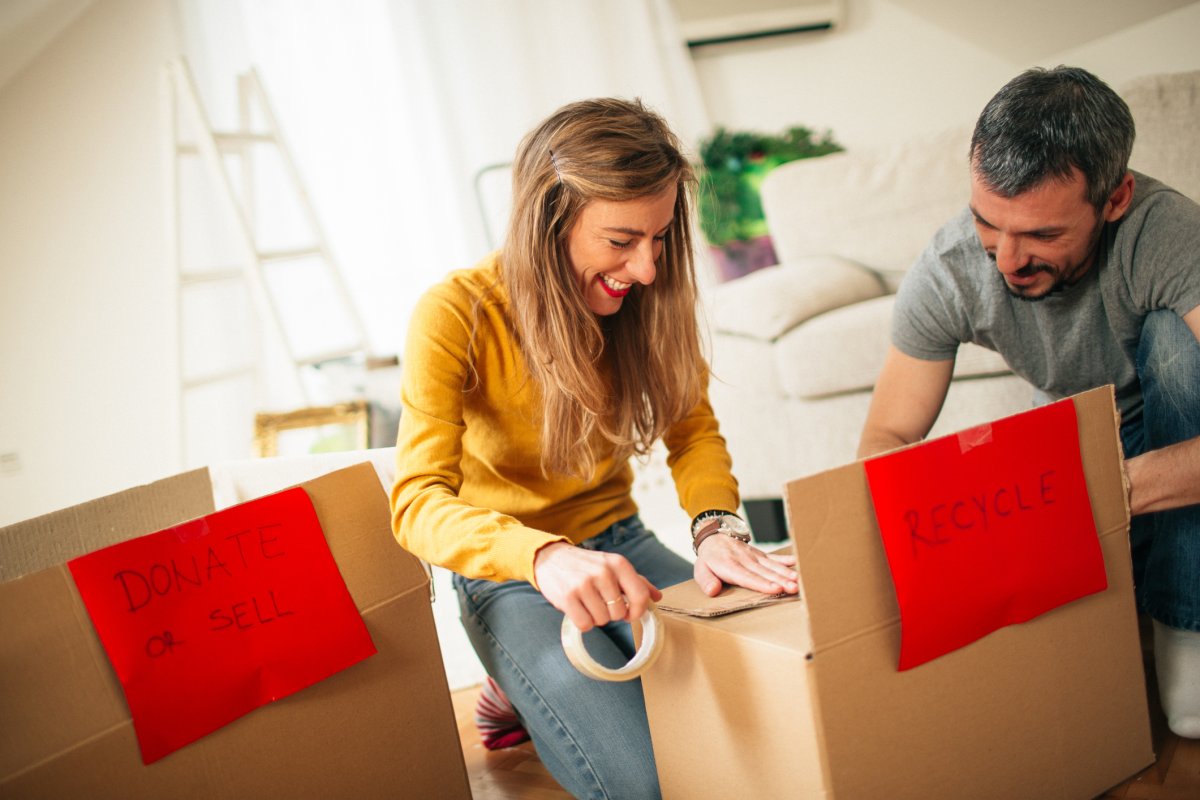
512, 774
1175, 775
517, 774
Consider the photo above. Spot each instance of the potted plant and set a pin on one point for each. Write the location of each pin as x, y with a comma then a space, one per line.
733, 167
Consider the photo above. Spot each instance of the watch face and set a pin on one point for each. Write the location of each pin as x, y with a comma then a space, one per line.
735, 525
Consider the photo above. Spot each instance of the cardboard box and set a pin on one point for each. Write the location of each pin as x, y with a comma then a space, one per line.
803, 699
383, 727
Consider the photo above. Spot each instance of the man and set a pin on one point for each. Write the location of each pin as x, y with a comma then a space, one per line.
1079, 273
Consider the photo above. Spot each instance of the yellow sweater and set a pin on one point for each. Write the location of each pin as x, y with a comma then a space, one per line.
469, 492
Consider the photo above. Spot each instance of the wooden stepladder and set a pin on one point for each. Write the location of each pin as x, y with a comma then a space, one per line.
297, 312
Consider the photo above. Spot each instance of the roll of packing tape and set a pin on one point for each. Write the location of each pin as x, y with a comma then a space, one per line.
577, 654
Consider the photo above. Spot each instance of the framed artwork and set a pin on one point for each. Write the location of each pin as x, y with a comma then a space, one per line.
317, 429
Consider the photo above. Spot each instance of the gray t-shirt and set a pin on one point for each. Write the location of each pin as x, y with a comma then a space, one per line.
1082, 337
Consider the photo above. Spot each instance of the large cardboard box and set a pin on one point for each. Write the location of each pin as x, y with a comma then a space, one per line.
803, 699
381, 728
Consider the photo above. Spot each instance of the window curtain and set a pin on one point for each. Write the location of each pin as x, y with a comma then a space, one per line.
392, 107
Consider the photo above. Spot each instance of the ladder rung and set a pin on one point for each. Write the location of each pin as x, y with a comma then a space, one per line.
332, 355
229, 142
217, 377
289, 255
236, 139
214, 276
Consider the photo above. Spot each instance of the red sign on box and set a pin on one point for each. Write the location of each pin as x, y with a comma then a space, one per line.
206, 621
987, 528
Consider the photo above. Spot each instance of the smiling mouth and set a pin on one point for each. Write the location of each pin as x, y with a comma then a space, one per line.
612, 287
1027, 274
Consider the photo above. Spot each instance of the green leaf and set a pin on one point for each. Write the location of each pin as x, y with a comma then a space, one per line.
732, 168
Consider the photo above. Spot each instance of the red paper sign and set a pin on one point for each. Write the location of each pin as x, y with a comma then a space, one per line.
985, 529
206, 621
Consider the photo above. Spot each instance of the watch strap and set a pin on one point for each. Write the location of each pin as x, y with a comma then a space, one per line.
713, 525
706, 515
706, 530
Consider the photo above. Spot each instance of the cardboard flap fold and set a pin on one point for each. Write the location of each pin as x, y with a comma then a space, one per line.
1103, 459
59, 536
353, 508
688, 598
841, 571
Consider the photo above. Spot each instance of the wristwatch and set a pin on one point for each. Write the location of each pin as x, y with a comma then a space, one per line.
711, 522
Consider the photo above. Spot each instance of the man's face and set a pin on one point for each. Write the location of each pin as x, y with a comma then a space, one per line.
1042, 239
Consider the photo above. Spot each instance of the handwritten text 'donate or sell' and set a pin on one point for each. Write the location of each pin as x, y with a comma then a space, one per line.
237, 553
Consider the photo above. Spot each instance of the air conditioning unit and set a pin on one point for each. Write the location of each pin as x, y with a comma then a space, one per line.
714, 21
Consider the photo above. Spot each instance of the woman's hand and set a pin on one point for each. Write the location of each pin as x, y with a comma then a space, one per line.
724, 558
589, 587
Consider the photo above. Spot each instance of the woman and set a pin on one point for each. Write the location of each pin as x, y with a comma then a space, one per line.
529, 382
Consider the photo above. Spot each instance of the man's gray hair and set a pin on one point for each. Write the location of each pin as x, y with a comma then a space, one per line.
1046, 121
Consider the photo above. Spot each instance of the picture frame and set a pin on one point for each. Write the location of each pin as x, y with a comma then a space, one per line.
315, 429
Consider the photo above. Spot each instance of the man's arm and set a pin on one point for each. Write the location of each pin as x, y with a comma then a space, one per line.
907, 400
1170, 476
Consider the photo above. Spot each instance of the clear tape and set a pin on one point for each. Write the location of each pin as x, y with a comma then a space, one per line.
643, 659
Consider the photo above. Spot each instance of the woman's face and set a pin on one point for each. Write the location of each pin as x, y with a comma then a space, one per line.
615, 244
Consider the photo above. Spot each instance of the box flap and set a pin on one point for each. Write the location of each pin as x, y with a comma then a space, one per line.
1064, 692
685, 604
59, 536
353, 502
688, 598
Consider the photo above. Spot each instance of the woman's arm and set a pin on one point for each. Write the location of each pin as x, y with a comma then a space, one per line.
701, 467
429, 517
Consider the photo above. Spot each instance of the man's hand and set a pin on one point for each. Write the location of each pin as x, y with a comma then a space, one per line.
589, 587
1165, 478
1168, 477
724, 558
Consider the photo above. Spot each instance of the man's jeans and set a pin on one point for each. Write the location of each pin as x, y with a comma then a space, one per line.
1166, 544
591, 735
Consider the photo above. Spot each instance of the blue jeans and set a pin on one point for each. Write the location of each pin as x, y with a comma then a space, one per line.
591, 735
1166, 544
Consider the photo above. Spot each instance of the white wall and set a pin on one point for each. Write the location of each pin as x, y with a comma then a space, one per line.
1169, 43
87, 347
886, 73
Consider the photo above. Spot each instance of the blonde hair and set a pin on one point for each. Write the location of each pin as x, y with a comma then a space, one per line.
622, 379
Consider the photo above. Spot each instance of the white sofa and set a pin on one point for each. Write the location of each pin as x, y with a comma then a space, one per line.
796, 347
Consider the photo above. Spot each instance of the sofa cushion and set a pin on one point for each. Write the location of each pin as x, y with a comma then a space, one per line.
843, 351
839, 351
771, 301
744, 364
878, 206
